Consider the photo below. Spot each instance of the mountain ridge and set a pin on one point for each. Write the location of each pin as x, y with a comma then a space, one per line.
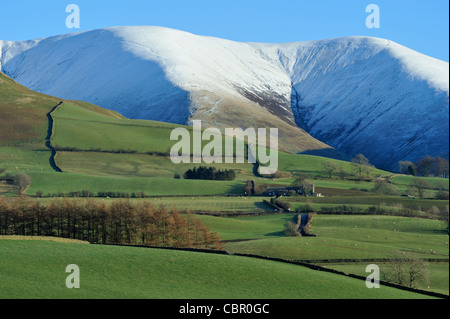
351, 93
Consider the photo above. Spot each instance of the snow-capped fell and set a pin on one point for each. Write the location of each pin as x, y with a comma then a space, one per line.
368, 95
359, 94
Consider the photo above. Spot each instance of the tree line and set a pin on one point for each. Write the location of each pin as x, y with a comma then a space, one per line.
427, 166
361, 168
418, 187
209, 173
89, 194
59, 148
120, 222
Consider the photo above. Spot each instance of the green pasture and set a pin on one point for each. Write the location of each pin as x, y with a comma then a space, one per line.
340, 238
435, 277
366, 201
137, 165
348, 237
36, 269
53, 182
84, 129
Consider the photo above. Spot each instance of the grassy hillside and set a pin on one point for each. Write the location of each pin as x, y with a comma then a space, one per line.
437, 273
337, 236
127, 272
54, 183
86, 129
341, 238
23, 113
99, 150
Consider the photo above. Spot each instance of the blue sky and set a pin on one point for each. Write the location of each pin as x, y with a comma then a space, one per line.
419, 25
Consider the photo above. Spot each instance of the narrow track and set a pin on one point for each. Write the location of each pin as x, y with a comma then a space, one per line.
48, 143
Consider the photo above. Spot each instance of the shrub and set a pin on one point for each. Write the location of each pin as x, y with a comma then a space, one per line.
112, 194
442, 195
384, 187
330, 167
291, 229
306, 209
418, 187
141, 194
22, 181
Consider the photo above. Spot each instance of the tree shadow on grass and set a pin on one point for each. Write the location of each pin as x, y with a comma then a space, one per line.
276, 234
263, 206
236, 189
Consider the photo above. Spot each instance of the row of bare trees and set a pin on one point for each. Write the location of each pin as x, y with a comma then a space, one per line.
405, 269
120, 222
426, 166
361, 168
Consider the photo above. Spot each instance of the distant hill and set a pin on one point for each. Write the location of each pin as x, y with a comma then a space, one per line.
355, 94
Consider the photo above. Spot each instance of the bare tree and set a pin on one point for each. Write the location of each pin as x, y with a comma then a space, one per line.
443, 215
342, 173
419, 186
291, 229
299, 178
442, 167
406, 269
384, 187
394, 272
330, 167
23, 182
361, 164
407, 167
416, 270
302, 181
426, 166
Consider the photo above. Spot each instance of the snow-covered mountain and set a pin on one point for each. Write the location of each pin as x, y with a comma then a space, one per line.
358, 94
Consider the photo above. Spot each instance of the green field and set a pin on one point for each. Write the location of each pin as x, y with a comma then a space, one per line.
53, 182
436, 276
340, 238
36, 269
312, 165
101, 151
367, 200
248, 228
105, 132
